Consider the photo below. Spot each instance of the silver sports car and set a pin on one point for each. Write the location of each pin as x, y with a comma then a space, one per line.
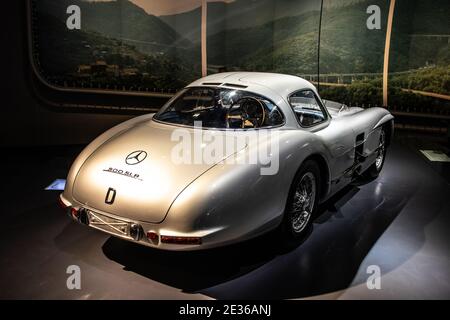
229, 157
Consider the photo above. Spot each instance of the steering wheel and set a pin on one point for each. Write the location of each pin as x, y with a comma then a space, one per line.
249, 111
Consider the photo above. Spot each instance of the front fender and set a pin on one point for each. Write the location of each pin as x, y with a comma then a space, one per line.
384, 119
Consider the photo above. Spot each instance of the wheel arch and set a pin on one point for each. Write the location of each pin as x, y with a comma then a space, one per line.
286, 232
387, 123
324, 171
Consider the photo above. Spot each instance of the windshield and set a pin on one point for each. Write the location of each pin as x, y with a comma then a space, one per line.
221, 108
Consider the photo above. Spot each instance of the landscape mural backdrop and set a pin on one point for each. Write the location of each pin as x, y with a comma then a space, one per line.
154, 46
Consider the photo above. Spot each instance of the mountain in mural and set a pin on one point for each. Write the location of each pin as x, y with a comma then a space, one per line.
282, 35
289, 44
239, 14
119, 19
79, 58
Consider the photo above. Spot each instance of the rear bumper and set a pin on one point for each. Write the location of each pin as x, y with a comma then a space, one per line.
210, 238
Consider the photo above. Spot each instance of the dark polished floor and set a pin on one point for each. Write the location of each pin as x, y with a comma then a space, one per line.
399, 222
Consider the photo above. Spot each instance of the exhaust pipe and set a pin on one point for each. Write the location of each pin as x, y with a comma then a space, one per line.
136, 231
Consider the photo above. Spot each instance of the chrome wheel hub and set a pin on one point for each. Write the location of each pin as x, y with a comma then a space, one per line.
380, 155
303, 202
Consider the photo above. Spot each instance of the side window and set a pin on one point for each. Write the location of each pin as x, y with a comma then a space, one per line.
307, 108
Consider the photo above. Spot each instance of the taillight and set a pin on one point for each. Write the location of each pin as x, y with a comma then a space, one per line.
136, 231
152, 236
74, 212
181, 240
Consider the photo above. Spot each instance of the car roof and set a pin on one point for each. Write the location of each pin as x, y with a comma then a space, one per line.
258, 82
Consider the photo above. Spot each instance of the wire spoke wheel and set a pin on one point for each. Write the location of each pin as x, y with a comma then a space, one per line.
381, 149
303, 202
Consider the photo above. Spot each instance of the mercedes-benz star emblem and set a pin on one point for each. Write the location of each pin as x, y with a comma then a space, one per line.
136, 157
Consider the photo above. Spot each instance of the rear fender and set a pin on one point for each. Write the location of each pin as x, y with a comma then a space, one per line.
94, 145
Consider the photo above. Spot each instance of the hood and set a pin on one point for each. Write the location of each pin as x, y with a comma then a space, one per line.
145, 168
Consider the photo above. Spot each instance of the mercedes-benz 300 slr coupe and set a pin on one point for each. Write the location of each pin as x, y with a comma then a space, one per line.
147, 180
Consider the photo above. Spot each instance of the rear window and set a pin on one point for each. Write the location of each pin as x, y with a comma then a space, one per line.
221, 108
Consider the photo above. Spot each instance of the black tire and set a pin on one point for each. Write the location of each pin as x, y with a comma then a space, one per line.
293, 231
374, 170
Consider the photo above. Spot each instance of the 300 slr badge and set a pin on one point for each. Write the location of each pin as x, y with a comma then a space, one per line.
121, 172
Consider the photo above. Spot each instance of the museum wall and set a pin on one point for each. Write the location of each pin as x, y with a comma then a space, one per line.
78, 67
